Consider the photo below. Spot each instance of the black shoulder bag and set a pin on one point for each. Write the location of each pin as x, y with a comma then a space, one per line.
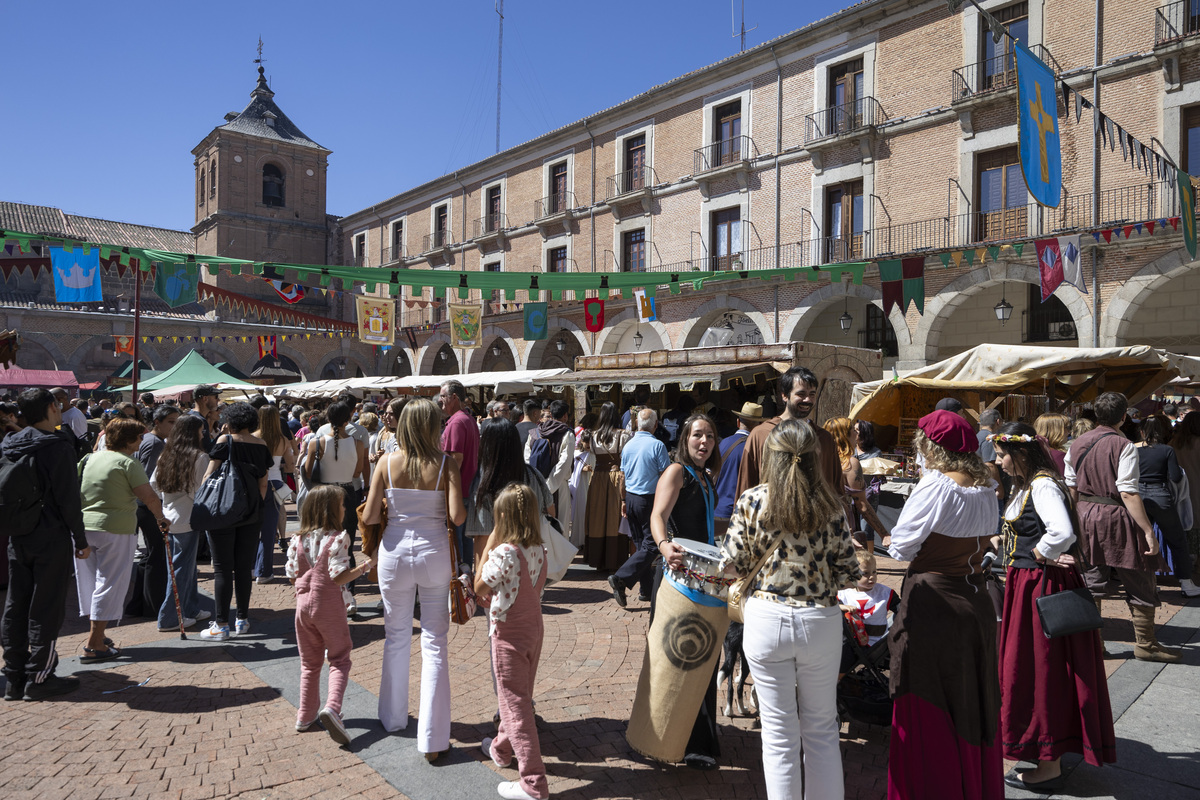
223, 501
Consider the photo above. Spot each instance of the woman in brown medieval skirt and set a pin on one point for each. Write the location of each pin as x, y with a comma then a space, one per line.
944, 680
1054, 694
606, 548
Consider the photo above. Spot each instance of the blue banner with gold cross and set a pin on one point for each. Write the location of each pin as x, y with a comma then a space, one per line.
1037, 100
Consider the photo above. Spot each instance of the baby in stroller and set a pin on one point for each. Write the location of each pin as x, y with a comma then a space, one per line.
863, 692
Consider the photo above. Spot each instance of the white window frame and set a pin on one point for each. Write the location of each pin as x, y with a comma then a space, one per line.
973, 33
737, 199
502, 182
644, 127
448, 202
553, 243
969, 151
402, 221
626, 225
833, 176
564, 155
827, 61
743, 92
365, 233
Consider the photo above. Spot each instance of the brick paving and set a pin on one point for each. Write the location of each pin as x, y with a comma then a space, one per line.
205, 726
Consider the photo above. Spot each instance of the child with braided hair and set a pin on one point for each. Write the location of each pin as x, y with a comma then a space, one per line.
513, 576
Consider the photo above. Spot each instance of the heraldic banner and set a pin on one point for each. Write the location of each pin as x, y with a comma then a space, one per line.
376, 320
464, 324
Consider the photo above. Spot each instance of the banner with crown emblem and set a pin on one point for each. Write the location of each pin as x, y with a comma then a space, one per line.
376, 320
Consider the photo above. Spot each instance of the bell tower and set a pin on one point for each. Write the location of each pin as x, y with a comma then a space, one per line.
260, 189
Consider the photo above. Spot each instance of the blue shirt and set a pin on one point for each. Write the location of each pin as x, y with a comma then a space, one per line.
728, 477
643, 460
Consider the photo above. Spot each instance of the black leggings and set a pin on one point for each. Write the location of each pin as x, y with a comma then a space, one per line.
233, 552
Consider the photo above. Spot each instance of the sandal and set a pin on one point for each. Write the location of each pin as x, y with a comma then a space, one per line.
96, 656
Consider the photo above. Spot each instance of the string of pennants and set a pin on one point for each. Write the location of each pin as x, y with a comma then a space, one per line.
1141, 157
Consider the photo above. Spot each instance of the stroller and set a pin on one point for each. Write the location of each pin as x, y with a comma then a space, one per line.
863, 693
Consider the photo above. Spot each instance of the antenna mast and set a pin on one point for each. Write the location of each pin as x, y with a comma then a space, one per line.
742, 31
499, 68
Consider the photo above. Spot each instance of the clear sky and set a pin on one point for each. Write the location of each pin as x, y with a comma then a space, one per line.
107, 99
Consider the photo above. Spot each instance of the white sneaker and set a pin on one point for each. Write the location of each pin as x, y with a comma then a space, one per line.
261, 581
215, 633
1189, 588
187, 623
241, 627
511, 790
333, 725
203, 615
303, 727
351, 608
486, 747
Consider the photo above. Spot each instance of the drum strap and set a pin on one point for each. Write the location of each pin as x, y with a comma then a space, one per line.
710, 501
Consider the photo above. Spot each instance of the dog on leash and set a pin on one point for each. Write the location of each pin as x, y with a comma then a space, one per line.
736, 670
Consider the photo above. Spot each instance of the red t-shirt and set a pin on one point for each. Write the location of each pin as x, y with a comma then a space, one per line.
462, 436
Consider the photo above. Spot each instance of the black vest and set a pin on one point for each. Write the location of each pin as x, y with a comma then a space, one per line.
1022, 534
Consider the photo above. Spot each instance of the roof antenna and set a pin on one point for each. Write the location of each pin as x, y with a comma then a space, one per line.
743, 30
499, 67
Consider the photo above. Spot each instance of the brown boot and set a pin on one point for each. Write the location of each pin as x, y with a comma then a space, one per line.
1146, 646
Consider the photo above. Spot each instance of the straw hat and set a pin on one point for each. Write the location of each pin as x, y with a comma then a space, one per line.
751, 413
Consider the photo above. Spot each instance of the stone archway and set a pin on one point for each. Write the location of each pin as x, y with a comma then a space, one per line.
482, 359
429, 358
616, 328
1119, 313
927, 338
715, 310
38, 352
396, 362
813, 305
544, 354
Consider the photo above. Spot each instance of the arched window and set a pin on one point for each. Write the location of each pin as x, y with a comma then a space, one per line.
212, 179
272, 182
200, 199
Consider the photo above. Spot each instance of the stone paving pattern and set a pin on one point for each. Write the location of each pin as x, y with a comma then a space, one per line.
204, 725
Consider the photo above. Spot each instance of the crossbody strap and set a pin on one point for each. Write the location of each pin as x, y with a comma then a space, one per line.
750, 577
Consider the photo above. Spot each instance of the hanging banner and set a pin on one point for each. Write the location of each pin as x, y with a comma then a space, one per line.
1050, 266
122, 344
1187, 210
1072, 262
1037, 100
647, 309
376, 320
536, 328
290, 292
175, 283
465, 324
267, 347
76, 276
593, 314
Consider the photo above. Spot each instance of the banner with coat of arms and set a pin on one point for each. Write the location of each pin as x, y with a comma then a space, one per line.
465, 324
376, 320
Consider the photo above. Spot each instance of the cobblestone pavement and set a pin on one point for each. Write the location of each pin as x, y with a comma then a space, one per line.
175, 719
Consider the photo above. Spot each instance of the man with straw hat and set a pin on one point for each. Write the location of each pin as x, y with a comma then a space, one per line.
731, 459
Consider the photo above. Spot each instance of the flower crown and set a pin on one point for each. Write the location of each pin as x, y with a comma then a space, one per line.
1012, 437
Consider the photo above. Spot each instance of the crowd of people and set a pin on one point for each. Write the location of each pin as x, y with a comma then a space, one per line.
679, 506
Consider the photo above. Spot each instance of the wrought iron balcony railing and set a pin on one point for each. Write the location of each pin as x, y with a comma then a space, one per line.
992, 75
557, 203
1176, 21
435, 240
391, 255
489, 224
723, 153
631, 180
865, 112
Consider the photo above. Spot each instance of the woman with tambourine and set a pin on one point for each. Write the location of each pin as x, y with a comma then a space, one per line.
1053, 692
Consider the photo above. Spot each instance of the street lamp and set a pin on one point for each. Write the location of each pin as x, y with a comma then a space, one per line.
561, 343
1004, 308
495, 349
637, 340
845, 320
442, 355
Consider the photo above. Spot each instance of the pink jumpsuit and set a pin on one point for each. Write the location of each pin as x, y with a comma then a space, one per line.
320, 626
516, 650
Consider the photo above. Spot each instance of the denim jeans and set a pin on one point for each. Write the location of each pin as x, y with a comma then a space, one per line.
181, 565
264, 562
793, 655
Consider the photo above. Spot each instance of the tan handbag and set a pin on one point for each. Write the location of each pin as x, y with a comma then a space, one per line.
462, 594
742, 588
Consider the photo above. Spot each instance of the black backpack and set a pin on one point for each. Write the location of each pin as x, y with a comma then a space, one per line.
20, 495
541, 454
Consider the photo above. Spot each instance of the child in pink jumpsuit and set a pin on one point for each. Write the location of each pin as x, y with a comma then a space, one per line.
514, 576
318, 564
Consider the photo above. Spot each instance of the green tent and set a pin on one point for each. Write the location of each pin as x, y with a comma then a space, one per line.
192, 371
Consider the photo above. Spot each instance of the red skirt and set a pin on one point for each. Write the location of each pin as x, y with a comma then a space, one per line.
1054, 693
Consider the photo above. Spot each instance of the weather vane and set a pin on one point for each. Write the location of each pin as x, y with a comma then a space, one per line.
260, 59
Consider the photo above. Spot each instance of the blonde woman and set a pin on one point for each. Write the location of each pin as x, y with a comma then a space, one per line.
845, 434
283, 459
1056, 430
793, 627
419, 486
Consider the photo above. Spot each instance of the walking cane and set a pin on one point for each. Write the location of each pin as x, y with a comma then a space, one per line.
174, 584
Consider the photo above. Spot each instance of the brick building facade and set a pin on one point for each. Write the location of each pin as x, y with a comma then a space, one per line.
886, 130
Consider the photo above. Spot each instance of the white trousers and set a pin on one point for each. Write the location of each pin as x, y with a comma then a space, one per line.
793, 655
102, 579
409, 563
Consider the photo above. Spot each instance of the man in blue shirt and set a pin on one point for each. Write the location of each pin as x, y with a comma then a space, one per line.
731, 459
643, 460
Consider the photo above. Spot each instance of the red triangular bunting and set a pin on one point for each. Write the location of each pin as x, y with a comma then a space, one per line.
1128, 230
1174, 223
1107, 234
1150, 226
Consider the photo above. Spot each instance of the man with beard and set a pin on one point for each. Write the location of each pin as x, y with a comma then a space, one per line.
798, 391
557, 433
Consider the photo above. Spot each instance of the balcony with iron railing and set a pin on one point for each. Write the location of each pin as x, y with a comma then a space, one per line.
1176, 21
631, 183
490, 229
726, 158
393, 255
861, 115
554, 210
438, 240
992, 75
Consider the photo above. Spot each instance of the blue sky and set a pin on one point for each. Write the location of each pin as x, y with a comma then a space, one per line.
111, 97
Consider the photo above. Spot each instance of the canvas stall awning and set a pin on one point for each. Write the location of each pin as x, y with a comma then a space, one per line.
20, 378
192, 371
980, 375
687, 376
505, 382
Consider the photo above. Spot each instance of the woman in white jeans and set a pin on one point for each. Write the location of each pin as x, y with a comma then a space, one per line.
421, 490
793, 627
